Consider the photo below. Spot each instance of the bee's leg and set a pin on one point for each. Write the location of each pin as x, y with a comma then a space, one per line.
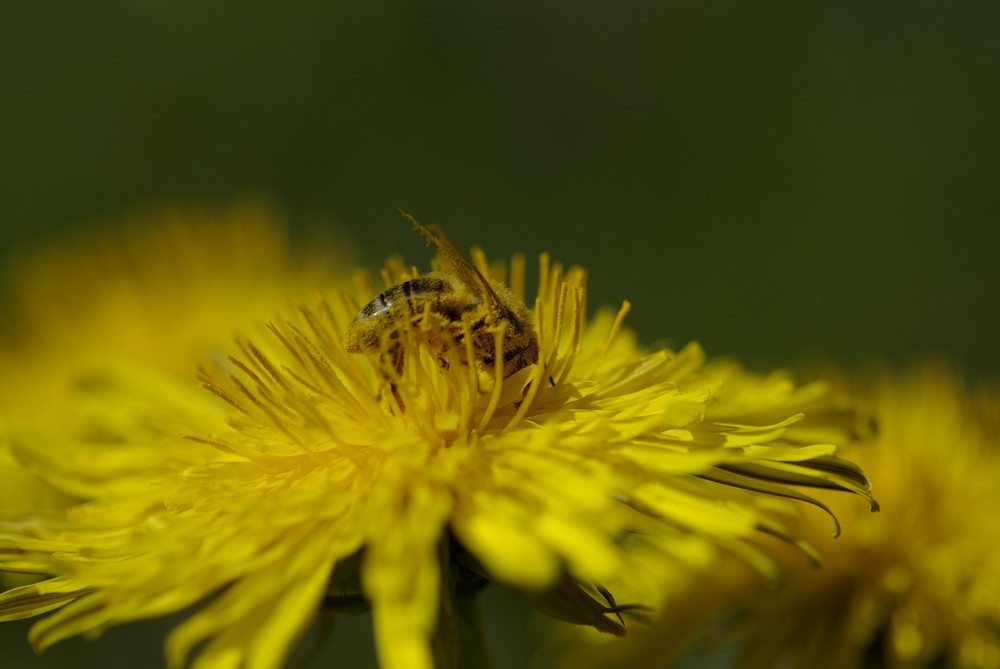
398, 357
397, 396
398, 360
394, 358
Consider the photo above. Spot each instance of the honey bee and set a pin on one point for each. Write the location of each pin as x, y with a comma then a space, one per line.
456, 296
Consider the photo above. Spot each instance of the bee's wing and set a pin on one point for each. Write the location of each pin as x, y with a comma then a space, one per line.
458, 263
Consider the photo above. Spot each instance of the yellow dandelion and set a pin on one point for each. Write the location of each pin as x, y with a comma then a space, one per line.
102, 333
688, 599
917, 585
401, 455
160, 289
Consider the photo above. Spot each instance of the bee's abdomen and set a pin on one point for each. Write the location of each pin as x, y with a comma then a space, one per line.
403, 294
404, 304
440, 292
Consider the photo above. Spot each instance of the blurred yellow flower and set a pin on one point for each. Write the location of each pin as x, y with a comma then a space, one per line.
162, 289
917, 585
104, 334
341, 478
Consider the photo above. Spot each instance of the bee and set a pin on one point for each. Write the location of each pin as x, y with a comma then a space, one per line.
458, 295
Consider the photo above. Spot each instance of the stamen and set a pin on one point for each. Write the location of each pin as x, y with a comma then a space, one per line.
466, 396
498, 372
316, 390
574, 342
517, 271
251, 454
268, 394
333, 322
246, 392
522, 410
543, 279
470, 356
348, 305
550, 295
283, 425
352, 367
226, 397
318, 361
321, 334
268, 367
619, 319
246, 370
284, 342
479, 258
560, 308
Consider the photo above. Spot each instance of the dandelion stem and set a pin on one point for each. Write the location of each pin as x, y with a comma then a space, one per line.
458, 642
471, 633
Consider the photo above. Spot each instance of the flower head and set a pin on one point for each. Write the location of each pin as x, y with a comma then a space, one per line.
161, 289
917, 585
103, 332
407, 472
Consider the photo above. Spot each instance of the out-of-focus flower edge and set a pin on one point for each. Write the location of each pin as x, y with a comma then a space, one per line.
917, 585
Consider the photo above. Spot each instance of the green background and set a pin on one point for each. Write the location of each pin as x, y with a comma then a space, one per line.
778, 181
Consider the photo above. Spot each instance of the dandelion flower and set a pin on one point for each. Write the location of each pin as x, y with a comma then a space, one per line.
691, 597
160, 289
917, 585
103, 331
405, 475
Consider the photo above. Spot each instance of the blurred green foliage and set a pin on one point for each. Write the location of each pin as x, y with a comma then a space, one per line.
777, 182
